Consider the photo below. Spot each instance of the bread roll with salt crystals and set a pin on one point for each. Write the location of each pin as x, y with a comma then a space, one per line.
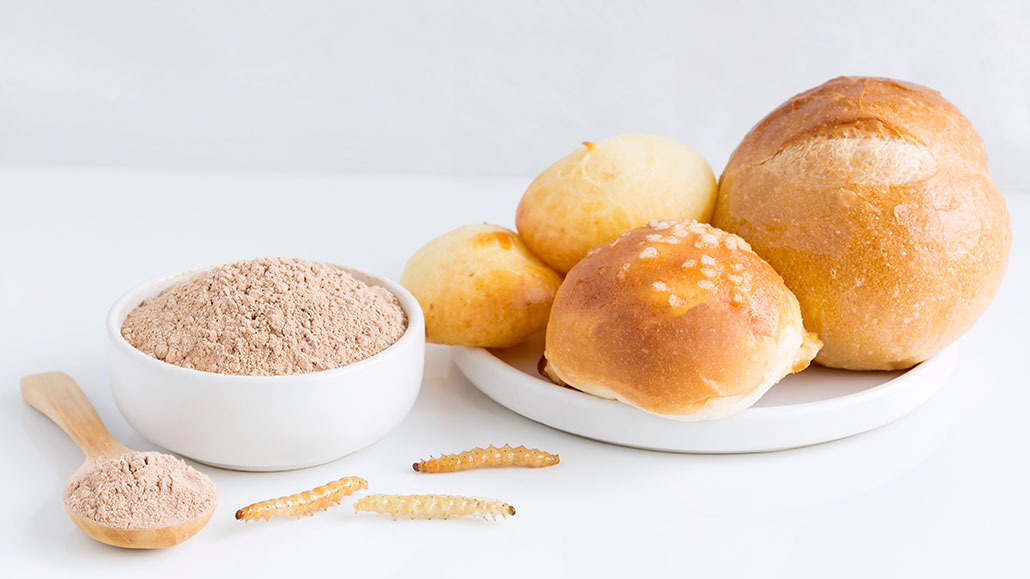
478, 285
871, 197
679, 319
605, 188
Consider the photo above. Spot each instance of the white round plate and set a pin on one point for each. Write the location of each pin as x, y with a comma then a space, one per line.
814, 406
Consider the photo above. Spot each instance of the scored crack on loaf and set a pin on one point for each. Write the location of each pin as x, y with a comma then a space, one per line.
679, 319
872, 198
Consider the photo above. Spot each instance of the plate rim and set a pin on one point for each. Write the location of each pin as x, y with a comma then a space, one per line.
753, 430
865, 396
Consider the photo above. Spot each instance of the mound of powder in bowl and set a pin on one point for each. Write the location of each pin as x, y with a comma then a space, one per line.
140, 490
267, 317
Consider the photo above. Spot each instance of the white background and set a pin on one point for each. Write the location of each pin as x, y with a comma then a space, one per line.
465, 87
268, 120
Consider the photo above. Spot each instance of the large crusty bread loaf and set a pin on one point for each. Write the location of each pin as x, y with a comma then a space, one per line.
871, 197
679, 319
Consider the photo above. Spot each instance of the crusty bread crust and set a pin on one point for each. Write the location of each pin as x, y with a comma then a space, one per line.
677, 318
872, 198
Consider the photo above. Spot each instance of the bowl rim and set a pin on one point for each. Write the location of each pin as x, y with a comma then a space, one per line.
145, 290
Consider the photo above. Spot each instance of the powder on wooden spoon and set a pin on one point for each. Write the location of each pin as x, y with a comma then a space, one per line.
140, 490
267, 317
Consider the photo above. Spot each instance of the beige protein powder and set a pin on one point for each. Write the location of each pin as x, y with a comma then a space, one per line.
267, 317
140, 490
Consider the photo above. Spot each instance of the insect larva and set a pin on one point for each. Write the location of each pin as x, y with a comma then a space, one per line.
430, 506
303, 503
490, 456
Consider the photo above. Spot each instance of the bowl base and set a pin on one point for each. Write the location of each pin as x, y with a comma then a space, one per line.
243, 468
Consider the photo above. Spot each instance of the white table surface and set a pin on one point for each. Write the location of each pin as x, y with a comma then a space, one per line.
944, 492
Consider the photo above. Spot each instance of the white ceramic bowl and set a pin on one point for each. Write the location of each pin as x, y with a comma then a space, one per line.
262, 423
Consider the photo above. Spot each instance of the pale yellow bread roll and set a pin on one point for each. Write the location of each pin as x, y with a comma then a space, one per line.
871, 197
478, 285
679, 319
605, 188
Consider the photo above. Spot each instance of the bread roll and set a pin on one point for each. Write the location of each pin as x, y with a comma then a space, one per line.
676, 318
606, 188
871, 197
479, 286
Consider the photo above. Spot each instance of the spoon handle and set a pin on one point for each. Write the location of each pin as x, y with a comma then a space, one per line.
57, 396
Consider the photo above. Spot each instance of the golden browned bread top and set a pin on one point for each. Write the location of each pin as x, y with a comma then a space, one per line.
865, 107
672, 315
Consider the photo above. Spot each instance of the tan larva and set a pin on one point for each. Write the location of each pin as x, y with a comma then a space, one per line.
490, 456
305, 503
433, 506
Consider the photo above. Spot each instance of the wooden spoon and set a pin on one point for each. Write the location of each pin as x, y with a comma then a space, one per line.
57, 396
